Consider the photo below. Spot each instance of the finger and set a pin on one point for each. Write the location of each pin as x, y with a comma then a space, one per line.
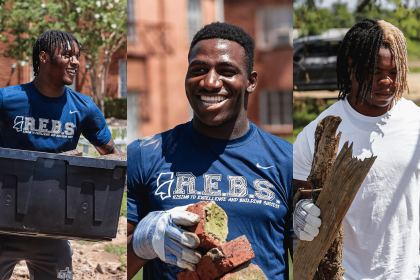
311, 209
181, 236
305, 236
311, 230
190, 240
183, 264
191, 256
185, 218
313, 221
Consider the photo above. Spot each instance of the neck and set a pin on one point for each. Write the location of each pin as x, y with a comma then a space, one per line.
366, 107
46, 87
228, 130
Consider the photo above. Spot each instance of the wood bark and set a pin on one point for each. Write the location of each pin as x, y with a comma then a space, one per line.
340, 178
325, 153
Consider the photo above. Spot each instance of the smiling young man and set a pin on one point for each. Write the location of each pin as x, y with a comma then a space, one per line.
218, 156
381, 227
45, 115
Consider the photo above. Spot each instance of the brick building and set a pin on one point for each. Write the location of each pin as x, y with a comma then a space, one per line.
159, 34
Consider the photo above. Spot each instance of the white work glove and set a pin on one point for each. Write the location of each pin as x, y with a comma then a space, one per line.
158, 235
305, 220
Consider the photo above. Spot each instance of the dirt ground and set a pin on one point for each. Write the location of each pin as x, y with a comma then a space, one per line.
91, 261
413, 84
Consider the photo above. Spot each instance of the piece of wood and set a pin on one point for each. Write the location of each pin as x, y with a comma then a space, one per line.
325, 153
340, 188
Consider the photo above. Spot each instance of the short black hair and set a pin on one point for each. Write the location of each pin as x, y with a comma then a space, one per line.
362, 44
49, 41
226, 31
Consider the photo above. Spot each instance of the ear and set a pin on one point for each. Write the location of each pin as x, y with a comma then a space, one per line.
252, 82
44, 57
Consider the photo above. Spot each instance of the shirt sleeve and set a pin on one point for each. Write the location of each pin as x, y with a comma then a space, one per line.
96, 130
137, 202
303, 150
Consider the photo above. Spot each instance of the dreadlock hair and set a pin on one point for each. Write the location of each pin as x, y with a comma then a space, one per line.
362, 44
49, 41
226, 31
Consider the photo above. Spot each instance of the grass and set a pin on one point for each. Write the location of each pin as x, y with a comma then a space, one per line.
290, 267
123, 211
114, 133
415, 70
139, 275
119, 251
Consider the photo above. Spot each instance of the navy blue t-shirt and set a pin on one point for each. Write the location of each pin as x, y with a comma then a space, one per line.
32, 121
250, 177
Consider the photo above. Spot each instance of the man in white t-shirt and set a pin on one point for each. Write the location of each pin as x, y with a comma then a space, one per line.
382, 225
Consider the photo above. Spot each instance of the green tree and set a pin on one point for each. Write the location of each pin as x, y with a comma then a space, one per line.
101, 26
342, 17
311, 20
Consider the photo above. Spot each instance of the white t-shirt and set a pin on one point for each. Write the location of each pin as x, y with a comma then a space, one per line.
382, 225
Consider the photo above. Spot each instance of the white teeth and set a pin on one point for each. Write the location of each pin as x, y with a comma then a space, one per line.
213, 98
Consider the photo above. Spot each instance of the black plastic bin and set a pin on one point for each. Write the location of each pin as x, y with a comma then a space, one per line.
59, 196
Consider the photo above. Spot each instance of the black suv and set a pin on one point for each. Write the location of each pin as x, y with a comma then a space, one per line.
314, 60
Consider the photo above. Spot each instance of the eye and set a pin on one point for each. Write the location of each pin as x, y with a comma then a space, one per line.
227, 72
198, 71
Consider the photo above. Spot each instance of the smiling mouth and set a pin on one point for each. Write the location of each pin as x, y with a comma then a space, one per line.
384, 95
209, 101
71, 71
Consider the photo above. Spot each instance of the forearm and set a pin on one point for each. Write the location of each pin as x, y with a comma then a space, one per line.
134, 263
108, 148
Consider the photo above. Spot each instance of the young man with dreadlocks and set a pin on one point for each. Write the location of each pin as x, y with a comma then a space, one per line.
45, 115
218, 156
382, 225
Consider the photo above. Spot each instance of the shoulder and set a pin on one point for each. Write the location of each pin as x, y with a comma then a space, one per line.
275, 142
80, 98
14, 89
158, 143
408, 105
336, 109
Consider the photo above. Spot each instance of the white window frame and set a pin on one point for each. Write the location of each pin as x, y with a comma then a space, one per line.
276, 110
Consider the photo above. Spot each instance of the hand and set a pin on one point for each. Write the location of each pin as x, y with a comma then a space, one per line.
158, 235
305, 222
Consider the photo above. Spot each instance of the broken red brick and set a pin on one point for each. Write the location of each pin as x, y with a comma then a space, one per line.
208, 240
247, 271
225, 258
187, 275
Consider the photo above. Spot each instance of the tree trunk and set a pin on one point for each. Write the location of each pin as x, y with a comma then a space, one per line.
340, 180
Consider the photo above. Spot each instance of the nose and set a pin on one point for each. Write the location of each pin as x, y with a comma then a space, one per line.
385, 80
211, 81
74, 61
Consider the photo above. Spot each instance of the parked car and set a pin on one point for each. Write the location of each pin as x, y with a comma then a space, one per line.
314, 60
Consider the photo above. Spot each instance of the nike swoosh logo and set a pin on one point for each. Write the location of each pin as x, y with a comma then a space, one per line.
73, 112
259, 166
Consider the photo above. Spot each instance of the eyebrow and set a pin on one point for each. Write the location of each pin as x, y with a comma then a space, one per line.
198, 62
201, 62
